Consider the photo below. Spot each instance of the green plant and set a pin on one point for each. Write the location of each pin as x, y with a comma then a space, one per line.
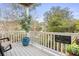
73, 49
69, 49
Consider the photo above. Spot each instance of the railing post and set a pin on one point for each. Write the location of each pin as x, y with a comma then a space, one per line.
65, 49
40, 39
62, 47
54, 41
57, 46
45, 40
48, 40
51, 41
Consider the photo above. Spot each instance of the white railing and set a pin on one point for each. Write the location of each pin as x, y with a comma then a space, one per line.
14, 36
47, 39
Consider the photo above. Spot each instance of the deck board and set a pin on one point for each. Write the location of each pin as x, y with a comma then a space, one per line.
19, 50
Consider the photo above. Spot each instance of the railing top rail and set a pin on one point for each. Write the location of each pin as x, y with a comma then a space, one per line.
59, 33
11, 31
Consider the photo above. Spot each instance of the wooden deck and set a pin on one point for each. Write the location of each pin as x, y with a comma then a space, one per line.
19, 50
39, 44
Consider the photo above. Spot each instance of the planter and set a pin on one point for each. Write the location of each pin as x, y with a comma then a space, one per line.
71, 54
25, 41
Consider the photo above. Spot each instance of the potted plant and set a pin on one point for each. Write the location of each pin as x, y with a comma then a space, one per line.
73, 49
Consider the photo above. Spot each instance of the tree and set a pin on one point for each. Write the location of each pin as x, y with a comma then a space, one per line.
58, 19
18, 12
26, 22
25, 19
76, 23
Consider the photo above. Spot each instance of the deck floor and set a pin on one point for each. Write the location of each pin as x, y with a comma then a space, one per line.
19, 50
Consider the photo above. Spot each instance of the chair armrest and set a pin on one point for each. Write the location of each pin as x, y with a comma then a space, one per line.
5, 38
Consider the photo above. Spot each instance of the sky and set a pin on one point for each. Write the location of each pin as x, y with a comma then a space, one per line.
40, 10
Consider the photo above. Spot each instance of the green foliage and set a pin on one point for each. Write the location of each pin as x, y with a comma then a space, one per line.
69, 49
73, 48
59, 20
25, 23
19, 12
76, 22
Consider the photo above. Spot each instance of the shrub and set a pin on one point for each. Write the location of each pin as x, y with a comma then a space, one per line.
73, 49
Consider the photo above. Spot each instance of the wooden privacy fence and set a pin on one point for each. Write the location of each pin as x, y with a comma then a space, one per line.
15, 36
47, 39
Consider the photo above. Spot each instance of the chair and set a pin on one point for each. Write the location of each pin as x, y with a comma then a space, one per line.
4, 49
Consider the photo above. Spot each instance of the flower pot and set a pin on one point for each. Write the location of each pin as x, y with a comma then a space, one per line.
25, 41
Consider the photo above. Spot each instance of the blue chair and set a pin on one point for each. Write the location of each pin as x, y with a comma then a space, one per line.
25, 41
